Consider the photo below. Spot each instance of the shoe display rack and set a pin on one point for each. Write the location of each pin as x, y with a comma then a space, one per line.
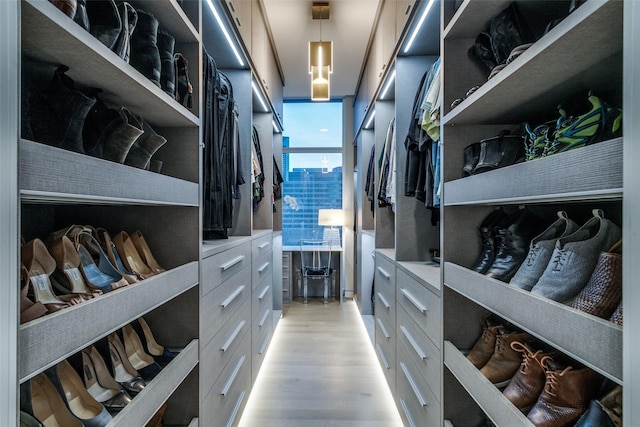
583, 52
59, 188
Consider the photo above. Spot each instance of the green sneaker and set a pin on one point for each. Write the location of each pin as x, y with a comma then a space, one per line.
536, 140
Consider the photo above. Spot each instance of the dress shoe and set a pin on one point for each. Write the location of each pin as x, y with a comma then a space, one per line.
504, 361
606, 412
540, 250
575, 257
145, 56
616, 317
485, 345
487, 237
471, 157
527, 384
68, 7
512, 236
603, 293
566, 395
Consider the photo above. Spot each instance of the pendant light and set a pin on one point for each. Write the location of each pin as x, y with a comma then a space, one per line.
320, 57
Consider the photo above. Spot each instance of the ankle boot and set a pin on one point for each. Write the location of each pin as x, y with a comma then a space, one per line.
129, 19
68, 7
144, 147
566, 395
104, 21
512, 242
145, 56
101, 121
487, 234
120, 141
183, 84
500, 151
471, 157
166, 45
57, 115
81, 17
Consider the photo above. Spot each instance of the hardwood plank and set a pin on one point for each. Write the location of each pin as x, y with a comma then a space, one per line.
320, 370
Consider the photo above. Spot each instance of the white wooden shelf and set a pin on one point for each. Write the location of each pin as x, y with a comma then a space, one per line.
53, 174
472, 17
149, 400
50, 36
545, 74
489, 397
45, 341
591, 172
588, 339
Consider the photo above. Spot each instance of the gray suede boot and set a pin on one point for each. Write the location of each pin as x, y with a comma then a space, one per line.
144, 147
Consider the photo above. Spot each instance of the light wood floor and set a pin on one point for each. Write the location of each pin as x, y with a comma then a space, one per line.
320, 370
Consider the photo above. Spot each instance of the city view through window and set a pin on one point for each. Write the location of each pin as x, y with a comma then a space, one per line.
312, 169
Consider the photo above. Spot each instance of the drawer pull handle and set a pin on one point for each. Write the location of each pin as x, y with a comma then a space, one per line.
384, 273
414, 343
383, 329
264, 344
413, 385
233, 376
383, 357
233, 296
264, 318
407, 413
261, 296
264, 267
384, 301
413, 300
236, 409
263, 245
233, 336
231, 263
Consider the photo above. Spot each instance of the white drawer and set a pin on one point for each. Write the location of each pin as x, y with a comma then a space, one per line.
262, 267
421, 352
422, 305
220, 267
262, 298
261, 245
216, 353
223, 404
385, 274
218, 306
416, 402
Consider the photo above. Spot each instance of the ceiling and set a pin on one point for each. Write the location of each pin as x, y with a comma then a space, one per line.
349, 27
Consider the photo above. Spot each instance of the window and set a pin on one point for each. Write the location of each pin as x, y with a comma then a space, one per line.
312, 169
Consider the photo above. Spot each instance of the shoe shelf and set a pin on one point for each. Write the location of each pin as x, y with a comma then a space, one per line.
172, 18
53, 174
544, 75
149, 400
590, 340
50, 36
427, 272
489, 397
45, 341
592, 172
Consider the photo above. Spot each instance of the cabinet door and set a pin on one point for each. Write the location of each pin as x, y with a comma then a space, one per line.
403, 11
241, 10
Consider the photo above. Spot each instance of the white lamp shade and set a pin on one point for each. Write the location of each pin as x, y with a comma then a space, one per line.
330, 217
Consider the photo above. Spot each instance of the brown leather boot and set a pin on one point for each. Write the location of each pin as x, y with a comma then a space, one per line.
527, 384
566, 395
505, 361
484, 347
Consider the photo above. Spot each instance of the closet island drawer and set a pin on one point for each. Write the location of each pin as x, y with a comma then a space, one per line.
218, 306
217, 352
261, 331
385, 274
385, 305
261, 298
422, 305
218, 268
418, 351
261, 245
262, 268
223, 404
386, 351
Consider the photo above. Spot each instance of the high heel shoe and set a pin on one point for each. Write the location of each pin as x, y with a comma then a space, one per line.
79, 402
115, 357
48, 406
38, 267
29, 310
67, 276
145, 252
86, 242
130, 256
99, 383
157, 351
141, 361
109, 248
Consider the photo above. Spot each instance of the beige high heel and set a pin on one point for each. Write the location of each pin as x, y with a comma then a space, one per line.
130, 256
145, 252
99, 382
123, 370
112, 253
48, 406
68, 263
29, 310
134, 349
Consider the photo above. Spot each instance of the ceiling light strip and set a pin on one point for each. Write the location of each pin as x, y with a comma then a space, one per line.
275, 126
225, 32
390, 81
417, 29
259, 95
370, 121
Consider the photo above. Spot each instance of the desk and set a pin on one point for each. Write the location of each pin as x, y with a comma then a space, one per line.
294, 257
